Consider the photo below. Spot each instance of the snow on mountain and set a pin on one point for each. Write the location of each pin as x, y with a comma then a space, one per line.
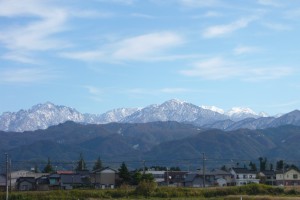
40, 116
238, 113
214, 108
116, 115
174, 110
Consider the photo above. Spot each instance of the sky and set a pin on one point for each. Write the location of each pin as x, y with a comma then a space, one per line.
97, 55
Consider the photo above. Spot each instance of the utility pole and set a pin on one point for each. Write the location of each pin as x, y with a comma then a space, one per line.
283, 181
6, 176
203, 168
144, 166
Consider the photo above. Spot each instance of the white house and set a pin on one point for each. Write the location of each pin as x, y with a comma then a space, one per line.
243, 176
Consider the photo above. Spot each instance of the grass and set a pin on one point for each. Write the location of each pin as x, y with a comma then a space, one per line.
151, 192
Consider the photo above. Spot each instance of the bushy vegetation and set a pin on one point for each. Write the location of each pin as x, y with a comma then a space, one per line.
147, 189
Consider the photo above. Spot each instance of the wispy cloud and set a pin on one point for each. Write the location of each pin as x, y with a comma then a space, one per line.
273, 3
143, 47
95, 93
222, 30
240, 50
125, 2
218, 69
36, 35
199, 3
25, 75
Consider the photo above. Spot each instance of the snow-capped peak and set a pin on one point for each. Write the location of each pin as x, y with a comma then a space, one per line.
213, 108
240, 110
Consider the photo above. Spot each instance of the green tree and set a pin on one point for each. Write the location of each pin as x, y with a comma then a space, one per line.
279, 165
48, 168
98, 164
124, 173
262, 163
81, 163
252, 166
175, 169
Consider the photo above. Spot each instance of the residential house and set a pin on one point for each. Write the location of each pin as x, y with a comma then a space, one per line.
210, 178
159, 176
70, 181
175, 178
267, 177
42, 183
288, 177
104, 178
243, 176
22, 173
25, 183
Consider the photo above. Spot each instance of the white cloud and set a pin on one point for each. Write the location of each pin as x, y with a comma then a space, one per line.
218, 69
25, 75
245, 50
212, 69
273, 3
199, 3
125, 2
35, 35
143, 47
94, 92
210, 14
221, 30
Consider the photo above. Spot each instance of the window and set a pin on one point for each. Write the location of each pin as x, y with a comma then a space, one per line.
295, 176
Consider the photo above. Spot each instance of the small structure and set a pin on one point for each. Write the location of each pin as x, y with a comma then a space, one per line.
26, 183
42, 183
210, 178
104, 178
175, 178
159, 176
243, 176
267, 177
288, 177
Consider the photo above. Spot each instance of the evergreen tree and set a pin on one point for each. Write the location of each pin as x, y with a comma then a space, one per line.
98, 164
252, 166
262, 164
279, 165
48, 168
81, 163
124, 173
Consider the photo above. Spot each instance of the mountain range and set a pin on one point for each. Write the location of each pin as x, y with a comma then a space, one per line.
41, 116
158, 143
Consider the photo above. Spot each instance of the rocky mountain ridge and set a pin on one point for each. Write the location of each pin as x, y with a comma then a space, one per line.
41, 116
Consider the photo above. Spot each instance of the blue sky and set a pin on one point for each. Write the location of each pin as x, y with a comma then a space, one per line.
97, 55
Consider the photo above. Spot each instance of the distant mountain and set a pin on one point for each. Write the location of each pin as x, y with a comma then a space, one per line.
159, 143
174, 110
292, 118
42, 116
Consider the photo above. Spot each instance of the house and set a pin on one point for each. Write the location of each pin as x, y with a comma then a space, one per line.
288, 177
54, 181
243, 176
104, 178
175, 178
159, 176
22, 173
42, 183
214, 177
70, 181
25, 183
267, 177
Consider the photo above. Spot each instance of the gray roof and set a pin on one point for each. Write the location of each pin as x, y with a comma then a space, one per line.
243, 171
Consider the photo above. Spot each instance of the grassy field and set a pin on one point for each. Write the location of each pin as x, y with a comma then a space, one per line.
151, 192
